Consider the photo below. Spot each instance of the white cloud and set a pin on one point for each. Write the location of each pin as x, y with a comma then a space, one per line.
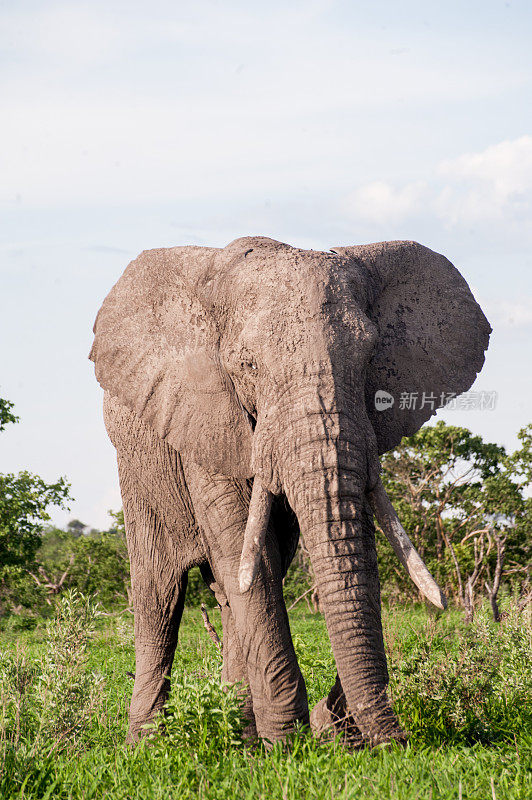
507, 165
491, 186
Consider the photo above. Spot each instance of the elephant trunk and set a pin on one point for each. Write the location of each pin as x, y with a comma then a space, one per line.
257, 525
329, 498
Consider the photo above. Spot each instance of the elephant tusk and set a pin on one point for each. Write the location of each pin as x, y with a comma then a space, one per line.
403, 547
255, 534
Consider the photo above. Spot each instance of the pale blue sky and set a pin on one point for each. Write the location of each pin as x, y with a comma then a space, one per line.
133, 125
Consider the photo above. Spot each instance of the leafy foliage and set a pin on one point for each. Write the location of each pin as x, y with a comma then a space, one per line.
475, 679
197, 590
461, 502
67, 691
6, 414
97, 563
203, 716
47, 703
299, 580
473, 692
24, 503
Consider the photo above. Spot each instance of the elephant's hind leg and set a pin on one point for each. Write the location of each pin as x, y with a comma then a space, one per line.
158, 598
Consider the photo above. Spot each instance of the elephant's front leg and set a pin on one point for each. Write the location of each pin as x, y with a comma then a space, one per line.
260, 620
159, 590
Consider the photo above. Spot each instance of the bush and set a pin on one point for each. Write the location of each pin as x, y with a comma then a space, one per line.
67, 691
47, 704
203, 716
197, 590
467, 684
462, 690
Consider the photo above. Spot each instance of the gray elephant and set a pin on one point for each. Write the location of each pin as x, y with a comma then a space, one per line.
240, 392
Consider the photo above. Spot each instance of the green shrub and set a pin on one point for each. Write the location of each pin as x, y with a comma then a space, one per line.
462, 690
47, 703
202, 715
67, 691
197, 591
465, 685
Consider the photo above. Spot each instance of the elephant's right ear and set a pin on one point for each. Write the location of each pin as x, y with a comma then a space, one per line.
156, 351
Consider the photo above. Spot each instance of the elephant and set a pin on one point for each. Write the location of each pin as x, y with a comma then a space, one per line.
240, 388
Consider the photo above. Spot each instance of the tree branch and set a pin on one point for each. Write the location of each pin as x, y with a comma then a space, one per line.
209, 627
301, 596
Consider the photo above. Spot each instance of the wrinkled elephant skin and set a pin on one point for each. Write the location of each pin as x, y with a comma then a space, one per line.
240, 392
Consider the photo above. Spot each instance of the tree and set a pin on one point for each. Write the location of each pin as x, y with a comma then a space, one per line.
24, 503
118, 526
95, 563
5, 413
462, 502
76, 527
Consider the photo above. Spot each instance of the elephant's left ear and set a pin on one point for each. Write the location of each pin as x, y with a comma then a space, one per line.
432, 335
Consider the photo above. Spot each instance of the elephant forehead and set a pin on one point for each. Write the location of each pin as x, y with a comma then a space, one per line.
295, 287
272, 295
258, 261
305, 327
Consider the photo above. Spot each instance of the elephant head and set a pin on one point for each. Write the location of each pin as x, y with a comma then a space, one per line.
262, 361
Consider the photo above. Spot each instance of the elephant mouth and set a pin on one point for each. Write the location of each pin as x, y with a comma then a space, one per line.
386, 516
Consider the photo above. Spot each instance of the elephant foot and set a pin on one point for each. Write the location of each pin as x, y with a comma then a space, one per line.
398, 737
250, 737
249, 732
335, 723
138, 732
146, 726
330, 718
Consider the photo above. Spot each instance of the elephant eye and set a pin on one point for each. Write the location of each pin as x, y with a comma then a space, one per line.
249, 364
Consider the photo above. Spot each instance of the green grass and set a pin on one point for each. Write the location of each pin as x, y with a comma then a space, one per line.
463, 693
